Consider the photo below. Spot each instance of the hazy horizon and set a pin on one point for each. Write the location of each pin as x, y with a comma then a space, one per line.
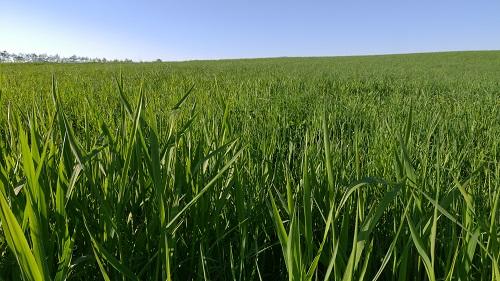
251, 58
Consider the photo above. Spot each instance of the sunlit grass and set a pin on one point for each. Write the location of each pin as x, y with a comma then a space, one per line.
303, 169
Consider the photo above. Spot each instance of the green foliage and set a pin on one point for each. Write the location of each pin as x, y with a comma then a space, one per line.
360, 168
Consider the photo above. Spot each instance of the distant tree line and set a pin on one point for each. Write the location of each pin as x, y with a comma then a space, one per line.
21, 57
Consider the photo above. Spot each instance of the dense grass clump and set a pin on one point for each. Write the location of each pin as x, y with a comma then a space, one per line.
358, 168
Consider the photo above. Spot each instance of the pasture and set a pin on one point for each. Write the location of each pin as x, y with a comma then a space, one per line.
346, 168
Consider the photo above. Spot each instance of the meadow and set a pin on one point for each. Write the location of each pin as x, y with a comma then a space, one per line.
346, 168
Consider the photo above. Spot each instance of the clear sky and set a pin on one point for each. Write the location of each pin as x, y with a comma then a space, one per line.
186, 29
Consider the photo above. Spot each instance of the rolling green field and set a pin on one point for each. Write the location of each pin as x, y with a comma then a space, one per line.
348, 168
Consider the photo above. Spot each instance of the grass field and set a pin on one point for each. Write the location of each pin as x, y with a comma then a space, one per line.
349, 168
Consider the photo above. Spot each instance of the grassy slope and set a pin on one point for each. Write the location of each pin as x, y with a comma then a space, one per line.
419, 124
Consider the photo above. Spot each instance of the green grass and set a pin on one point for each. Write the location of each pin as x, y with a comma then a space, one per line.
349, 168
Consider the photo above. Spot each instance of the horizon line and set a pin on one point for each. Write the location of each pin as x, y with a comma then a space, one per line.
375, 54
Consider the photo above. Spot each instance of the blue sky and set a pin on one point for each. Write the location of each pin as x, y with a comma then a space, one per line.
180, 30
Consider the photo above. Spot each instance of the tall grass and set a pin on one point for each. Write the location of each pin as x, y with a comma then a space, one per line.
377, 168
